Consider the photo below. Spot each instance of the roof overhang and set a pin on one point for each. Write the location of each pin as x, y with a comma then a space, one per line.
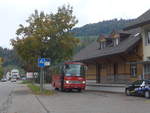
107, 55
139, 62
133, 26
98, 57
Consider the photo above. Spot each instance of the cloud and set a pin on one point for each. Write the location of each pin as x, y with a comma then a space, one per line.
15, 12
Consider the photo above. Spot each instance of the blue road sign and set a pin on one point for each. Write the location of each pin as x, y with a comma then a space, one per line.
42, 62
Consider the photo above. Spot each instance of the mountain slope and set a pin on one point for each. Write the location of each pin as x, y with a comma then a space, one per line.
10, 57
104, 27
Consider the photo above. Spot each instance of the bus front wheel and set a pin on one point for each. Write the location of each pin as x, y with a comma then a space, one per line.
79, 90
62, 89
56, 89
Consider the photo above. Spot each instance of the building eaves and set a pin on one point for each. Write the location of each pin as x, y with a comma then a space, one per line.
92, 51
140, 21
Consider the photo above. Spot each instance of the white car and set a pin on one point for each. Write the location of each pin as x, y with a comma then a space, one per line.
13, 79
24, 78
3, 79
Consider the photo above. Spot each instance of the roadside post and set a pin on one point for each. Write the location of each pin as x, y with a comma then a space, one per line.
43, 62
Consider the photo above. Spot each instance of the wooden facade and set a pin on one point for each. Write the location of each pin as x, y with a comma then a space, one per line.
115, 68
121, 56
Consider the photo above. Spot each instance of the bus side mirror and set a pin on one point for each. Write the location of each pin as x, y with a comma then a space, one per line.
86, 68
66, 66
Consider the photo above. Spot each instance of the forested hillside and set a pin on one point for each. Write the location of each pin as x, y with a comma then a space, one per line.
90, 32
87, 34
10, 57
103, 27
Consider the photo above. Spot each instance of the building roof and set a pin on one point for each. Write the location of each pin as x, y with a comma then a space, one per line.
140, 21
92, 51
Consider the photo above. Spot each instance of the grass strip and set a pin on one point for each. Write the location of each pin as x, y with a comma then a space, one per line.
36, 90
26, 82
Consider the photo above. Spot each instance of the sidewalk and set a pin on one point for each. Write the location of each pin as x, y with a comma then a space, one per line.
93, 83
23, 101
106, 89
111, 88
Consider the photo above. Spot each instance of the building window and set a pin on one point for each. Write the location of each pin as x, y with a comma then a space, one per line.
146, 68
102, 45
133, 70
147, 38
148, 58
116, 41
103, 67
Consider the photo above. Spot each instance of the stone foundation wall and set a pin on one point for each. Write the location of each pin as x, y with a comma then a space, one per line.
147, 77
118, 79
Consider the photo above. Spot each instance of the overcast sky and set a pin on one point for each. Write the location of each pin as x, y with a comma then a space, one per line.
15, 12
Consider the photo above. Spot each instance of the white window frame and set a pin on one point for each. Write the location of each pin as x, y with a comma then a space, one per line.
102, 45
116, 41
133, 70
146, 69
147, 38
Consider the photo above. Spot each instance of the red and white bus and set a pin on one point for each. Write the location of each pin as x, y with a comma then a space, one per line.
68, 76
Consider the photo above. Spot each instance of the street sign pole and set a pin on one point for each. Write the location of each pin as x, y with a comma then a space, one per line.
42, 62
43, 77
41, 80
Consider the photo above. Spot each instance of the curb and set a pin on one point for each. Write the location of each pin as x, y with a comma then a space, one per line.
100, 85
104, 91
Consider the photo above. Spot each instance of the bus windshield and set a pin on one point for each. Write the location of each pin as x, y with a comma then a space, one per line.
74, 70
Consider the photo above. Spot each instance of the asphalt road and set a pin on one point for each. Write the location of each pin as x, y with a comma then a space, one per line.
95, 102
17, 98
6, 89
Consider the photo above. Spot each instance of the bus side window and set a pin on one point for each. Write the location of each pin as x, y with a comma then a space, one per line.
63, 70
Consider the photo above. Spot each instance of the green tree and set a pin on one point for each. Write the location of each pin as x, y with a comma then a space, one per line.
104, 27
1, 72
1, 68
46, 35
10, 57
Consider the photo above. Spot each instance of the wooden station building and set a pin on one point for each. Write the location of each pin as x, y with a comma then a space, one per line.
120, 57
108, 58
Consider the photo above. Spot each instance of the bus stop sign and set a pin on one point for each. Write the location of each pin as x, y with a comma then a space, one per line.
42, 62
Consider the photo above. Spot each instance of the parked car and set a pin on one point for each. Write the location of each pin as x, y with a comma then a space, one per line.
139, 88
3, 79
24, 78
13, 79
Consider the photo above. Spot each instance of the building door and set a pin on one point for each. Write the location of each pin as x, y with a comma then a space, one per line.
115, 71
133, 70
98, 75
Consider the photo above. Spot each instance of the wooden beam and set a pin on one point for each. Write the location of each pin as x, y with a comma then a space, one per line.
123, 58
140, 57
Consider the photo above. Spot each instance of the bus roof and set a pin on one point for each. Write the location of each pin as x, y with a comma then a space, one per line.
67, 62
71, 62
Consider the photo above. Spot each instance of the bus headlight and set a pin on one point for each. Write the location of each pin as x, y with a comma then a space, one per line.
83, 82
67, 81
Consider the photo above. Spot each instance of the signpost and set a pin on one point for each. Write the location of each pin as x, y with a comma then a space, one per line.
43, 62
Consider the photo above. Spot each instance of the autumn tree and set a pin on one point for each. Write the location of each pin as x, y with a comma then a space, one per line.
46, 35
1, 68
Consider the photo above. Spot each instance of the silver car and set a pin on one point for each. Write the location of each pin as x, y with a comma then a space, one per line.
3, 79
13, 79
